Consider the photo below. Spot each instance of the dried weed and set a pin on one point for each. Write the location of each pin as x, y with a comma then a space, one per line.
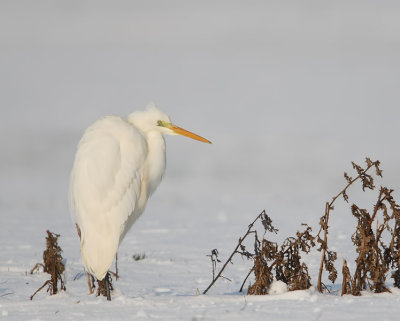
52, 264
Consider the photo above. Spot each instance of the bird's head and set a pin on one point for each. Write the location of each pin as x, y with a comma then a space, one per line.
153, 119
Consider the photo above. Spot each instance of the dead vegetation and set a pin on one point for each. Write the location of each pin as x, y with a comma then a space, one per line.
285, 261
328, 257
52, 264
240, 248
375, 258
270, 260
139, 256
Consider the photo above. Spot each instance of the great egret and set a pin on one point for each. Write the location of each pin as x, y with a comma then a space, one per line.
118, 164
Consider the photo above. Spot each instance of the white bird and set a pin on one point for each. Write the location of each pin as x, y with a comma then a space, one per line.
118, 164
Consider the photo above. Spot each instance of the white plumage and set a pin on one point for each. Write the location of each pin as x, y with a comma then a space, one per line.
118, 165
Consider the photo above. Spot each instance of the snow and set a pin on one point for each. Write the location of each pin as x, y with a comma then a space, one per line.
278, 287
288, 92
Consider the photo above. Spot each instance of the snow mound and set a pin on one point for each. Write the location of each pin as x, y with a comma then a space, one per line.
278, 287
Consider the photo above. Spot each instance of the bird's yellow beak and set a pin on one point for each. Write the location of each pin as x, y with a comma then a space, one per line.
180, 131
184, 132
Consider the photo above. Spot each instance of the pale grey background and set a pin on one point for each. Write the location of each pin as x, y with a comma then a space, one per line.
288, 91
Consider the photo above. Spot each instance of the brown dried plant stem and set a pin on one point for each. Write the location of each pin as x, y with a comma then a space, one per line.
284, 261
52, 264
48, 282
249, 231
321, 267
245, 279
328, 208
346, 283
372, 263
36, 267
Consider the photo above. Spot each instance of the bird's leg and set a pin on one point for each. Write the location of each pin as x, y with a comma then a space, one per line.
90, 283
105, 286
116, 268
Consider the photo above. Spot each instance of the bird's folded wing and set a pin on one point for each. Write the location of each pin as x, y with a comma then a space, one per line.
107, 175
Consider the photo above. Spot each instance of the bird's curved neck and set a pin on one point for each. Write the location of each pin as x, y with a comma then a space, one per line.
155, 159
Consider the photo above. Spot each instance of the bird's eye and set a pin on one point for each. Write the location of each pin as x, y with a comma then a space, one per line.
161, 123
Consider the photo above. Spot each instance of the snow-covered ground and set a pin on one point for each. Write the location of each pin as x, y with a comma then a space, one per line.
289, 92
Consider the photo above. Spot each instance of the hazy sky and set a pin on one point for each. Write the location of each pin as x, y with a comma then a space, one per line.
289, 91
